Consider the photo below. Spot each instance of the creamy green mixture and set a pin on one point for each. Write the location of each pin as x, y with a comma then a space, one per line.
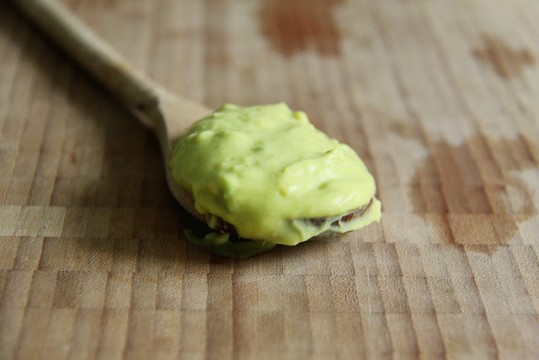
266, 170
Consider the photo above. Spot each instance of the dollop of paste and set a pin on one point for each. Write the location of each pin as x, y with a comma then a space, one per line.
266, 170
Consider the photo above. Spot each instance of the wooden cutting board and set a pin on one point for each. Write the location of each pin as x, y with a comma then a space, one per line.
439, 97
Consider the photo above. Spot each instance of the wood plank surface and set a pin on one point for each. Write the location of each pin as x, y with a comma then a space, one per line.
439, 97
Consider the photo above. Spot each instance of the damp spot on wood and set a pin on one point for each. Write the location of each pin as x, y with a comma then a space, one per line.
507, 61
73, 158
293, 26
476, 186
404, 128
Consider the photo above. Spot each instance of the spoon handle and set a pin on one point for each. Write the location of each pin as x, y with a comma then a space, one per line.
138, 93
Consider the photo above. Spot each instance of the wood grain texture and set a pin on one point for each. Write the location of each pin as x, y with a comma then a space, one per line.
438, 97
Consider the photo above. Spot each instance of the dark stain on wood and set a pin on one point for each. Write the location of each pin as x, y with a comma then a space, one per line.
477, 186
73, 158
292, 26
401, 127
505, 60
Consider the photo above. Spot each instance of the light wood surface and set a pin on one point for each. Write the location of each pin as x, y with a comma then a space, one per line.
439, 97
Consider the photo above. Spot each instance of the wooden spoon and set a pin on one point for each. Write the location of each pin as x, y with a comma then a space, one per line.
166, 114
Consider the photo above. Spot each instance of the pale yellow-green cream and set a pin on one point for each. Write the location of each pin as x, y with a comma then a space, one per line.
265, 169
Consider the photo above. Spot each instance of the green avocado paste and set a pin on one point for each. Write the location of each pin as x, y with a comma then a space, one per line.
271, 175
